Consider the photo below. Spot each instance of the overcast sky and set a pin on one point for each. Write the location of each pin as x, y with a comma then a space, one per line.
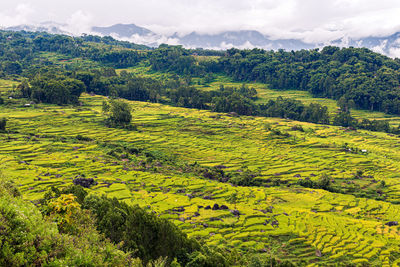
311, 20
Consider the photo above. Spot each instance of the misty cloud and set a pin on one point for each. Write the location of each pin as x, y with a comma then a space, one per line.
151, 40
79, 23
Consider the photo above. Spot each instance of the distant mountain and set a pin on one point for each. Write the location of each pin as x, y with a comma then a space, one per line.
388, 45
122, 30
243, 39
49, 26
240, 39
236, 38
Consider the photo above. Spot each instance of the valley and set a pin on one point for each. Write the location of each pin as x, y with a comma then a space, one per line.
235, 161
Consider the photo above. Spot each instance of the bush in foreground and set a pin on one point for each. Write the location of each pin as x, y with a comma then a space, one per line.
29, 239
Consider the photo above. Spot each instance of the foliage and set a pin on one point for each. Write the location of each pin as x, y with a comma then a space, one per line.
63, 209
143, 233
118, 113
53, 87
3, 124
176, 59
153, 167
295, 110
356, 76
28, 239
344, 119
54, 156
348, 75
155, 241
324, 182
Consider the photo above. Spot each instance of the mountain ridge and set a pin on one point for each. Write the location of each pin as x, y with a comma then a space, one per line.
388, 45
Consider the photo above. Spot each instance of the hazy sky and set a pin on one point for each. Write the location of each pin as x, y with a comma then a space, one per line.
311, 20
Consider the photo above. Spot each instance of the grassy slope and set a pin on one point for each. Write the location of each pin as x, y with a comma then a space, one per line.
64, 60
40, 154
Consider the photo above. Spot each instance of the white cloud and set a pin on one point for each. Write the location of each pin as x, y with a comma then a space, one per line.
19, 15
150, 39
394, 52
380, 48
79, 23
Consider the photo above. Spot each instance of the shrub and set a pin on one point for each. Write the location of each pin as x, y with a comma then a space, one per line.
324, 181
155, 241
148, 235
118, 113
28, 239
83, 138
3, 123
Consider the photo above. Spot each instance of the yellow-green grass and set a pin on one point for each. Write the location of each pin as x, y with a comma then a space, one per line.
144, 70
206, 58
40, 147
7, 87
63, 60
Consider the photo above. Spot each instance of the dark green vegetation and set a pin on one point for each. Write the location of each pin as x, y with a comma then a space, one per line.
3, 123
357, 76
66, 235
118, 113
72, 228
29, 239
195, 173
134, 229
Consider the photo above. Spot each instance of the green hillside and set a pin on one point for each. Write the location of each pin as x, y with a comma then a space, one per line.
235, 158
37, 154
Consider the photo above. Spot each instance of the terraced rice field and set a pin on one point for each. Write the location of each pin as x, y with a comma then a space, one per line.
60, 60
310, 226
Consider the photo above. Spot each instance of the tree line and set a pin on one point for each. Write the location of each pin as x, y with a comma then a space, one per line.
357, 75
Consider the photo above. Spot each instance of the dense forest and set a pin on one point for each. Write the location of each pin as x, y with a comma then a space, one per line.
356, 76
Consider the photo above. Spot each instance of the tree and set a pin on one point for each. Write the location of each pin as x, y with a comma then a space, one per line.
12, 67
53, 88
324, 181
344, 119
118, 113
3, 123
25, 89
